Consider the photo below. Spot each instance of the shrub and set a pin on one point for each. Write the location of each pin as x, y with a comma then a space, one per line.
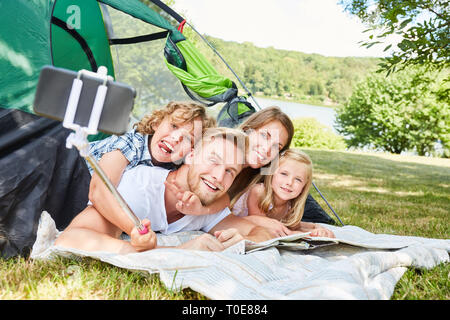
311, 133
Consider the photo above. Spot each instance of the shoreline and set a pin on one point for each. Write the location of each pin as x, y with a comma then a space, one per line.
311, 103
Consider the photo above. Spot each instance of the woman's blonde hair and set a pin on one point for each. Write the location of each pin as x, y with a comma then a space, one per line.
180, 112
295, 212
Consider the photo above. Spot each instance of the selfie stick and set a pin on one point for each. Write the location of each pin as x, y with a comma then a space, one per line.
79, 137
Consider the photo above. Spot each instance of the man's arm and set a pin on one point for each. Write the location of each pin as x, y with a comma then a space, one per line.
247, 229
113, 164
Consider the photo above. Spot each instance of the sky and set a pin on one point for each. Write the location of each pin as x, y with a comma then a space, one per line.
309, 26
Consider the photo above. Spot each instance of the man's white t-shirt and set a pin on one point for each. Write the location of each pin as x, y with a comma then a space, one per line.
142, 187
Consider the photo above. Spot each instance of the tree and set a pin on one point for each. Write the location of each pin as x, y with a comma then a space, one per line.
423, 24
397, 113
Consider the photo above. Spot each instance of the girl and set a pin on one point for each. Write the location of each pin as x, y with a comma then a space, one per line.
277, 201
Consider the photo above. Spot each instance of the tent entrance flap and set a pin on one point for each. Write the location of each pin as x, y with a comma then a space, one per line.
197, 73
203, 83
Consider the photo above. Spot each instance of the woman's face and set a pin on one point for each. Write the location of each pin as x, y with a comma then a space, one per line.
265, 143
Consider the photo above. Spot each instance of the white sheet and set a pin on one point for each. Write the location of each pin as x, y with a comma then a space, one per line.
339, 271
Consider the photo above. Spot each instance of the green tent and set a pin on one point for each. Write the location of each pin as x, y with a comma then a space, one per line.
79, 36
137, 44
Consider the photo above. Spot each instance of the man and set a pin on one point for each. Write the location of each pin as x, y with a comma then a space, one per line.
153, 193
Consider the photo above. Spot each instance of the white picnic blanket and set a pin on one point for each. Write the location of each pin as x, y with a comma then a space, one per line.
340, 271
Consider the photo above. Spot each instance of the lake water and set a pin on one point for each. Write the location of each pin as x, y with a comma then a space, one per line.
294, 110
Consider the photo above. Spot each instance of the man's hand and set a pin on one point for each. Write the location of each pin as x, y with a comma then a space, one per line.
188, 202
228, 237
143, 242
205, 242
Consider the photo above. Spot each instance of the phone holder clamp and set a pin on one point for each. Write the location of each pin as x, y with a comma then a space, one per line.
79, 137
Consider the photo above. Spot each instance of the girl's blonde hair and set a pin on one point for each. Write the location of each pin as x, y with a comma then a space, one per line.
180, 112
295, 213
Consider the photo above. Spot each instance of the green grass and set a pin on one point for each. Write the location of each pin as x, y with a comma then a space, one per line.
377, 192
403, 195
85, 278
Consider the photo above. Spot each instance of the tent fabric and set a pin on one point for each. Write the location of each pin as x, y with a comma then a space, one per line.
314, 212
24, 49
37, 173
141, 11
198, 74
85, 21
235, 112
29, 41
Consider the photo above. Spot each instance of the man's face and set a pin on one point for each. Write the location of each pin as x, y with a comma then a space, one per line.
214, 168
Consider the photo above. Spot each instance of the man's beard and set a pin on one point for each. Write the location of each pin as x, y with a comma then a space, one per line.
194, 182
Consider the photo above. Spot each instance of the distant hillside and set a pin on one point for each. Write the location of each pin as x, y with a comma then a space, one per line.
293, 75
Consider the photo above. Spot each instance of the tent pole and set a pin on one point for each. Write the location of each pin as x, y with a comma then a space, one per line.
329, 206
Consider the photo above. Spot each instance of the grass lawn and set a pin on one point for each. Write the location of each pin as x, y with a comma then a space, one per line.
380, 193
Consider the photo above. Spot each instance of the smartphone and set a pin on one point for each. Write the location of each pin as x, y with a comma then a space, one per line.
52, 95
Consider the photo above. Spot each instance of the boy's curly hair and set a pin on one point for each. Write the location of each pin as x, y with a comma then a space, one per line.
180, 112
